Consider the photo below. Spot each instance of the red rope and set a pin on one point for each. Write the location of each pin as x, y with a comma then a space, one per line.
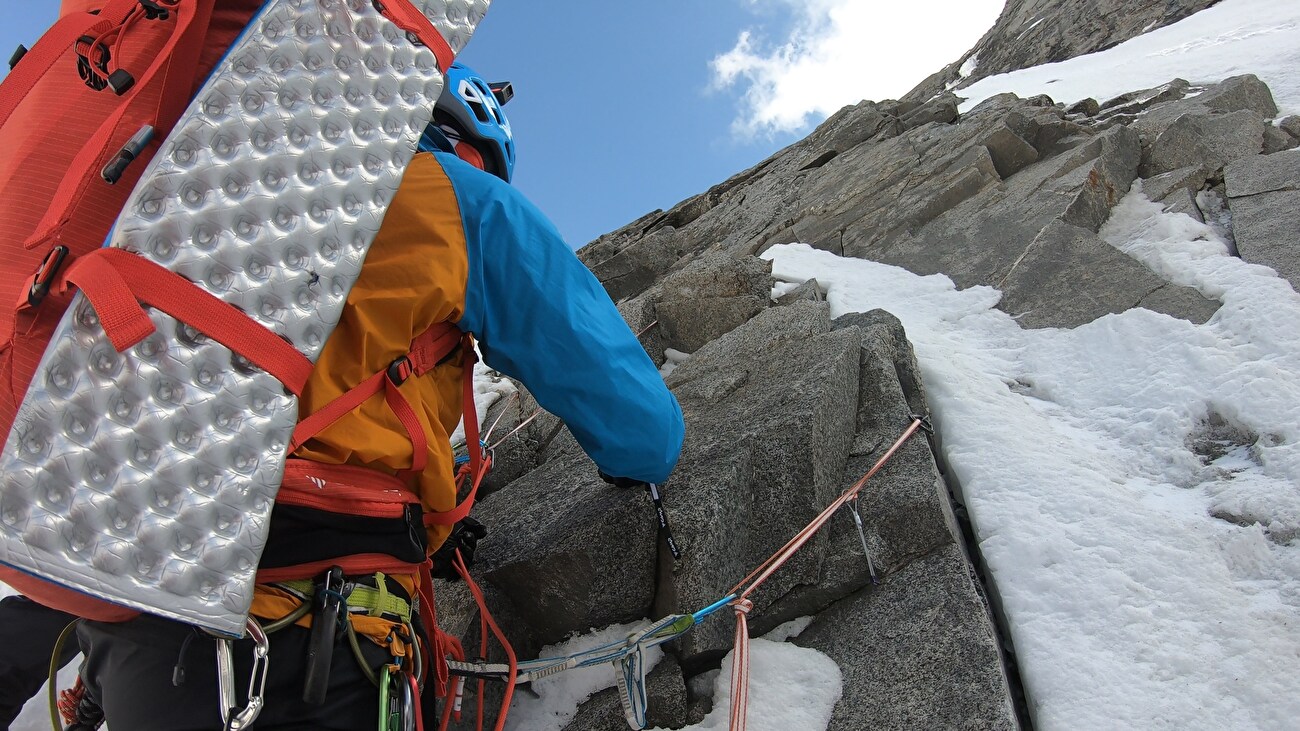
487, 622
740, 666
69, 700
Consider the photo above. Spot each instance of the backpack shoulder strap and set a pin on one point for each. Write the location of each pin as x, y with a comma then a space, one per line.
427, 350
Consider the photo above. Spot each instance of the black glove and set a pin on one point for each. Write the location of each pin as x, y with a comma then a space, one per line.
624, 482
465, 536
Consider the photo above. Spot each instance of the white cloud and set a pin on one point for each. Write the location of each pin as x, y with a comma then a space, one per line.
839, 52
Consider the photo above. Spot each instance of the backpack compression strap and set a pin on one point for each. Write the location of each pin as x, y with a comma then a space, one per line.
405, 16
428, 349
117, 282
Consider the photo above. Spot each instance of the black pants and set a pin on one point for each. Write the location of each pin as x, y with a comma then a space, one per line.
129, 666
28, 633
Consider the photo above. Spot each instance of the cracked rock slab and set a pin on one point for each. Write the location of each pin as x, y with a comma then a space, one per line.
1068, 276
1264, 197
917, 652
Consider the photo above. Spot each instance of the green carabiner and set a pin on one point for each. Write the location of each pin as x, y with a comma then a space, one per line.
390, 717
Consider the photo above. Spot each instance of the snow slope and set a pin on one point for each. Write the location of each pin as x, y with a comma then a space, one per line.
1260, 37
1130, 604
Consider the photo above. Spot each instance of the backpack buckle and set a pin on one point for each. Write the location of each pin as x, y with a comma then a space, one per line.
400, 370
92, 64
153, 10
45, 273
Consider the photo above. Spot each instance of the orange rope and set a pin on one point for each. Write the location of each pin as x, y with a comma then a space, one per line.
775, 562
740, 666
742, 604
514, 431
488, 434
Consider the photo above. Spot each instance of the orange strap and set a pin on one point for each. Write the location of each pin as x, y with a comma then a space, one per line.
117, 281
426, 351
404, 15
478, 465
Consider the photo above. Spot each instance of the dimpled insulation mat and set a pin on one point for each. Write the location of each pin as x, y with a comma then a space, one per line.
147, 477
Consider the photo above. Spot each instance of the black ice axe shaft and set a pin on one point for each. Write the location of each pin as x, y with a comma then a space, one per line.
320, 650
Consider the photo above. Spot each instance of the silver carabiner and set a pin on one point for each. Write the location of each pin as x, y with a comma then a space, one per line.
256, 687
408, 703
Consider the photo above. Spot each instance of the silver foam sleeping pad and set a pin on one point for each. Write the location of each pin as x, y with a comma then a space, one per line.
147, 477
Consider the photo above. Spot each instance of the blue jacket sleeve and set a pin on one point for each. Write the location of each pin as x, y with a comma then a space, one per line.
541, 317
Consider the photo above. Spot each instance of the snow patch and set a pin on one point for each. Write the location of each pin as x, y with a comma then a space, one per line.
969, 65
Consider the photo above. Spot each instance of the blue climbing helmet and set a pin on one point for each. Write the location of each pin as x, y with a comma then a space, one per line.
469, 111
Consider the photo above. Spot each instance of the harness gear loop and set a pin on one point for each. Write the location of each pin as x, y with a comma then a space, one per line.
239, 720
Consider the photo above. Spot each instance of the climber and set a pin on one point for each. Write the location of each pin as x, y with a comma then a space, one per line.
458, 245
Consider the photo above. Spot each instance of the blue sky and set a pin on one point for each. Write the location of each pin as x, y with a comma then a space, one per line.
625, 107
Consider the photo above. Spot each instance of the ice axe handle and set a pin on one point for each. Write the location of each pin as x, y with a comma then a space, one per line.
320, 650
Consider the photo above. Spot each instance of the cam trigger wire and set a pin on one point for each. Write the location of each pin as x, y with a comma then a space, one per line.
852, 506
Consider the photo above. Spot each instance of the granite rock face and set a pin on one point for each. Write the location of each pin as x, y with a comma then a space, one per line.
1009, 195
786, 407
783, 413
1264, 195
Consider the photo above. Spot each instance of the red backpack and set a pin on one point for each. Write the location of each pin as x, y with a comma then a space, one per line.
81, 114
